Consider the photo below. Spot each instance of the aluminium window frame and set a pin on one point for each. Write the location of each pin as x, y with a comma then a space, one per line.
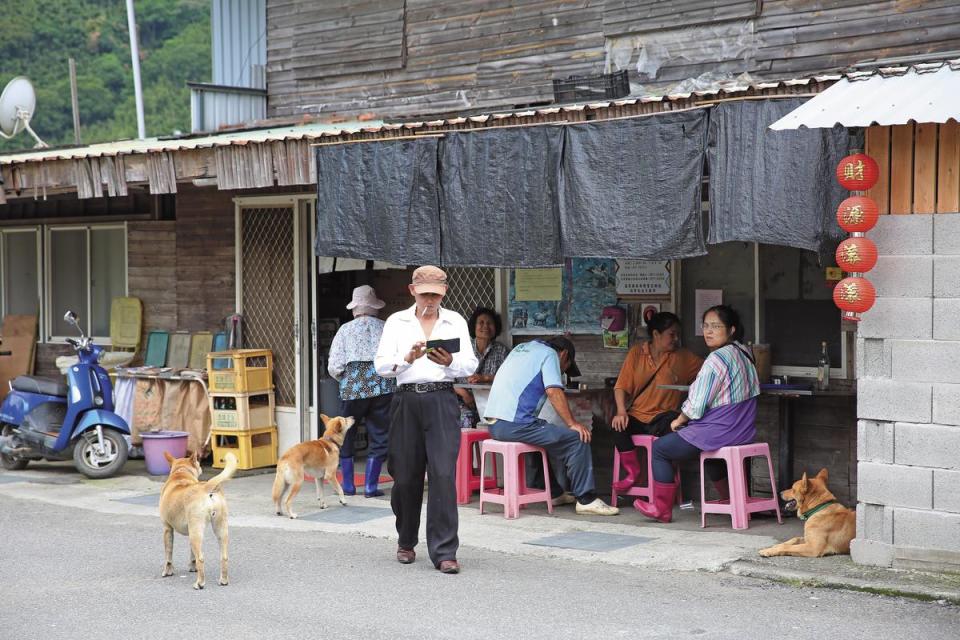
37, 230
48, 334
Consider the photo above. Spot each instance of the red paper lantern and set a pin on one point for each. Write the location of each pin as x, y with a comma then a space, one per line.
858, 172
854, 295
857, 255
857, 213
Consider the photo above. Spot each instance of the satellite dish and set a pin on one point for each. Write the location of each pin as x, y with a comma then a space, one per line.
17, 104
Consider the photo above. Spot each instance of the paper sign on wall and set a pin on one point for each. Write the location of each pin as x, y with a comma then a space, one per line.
703, 300
539, 284
643, 278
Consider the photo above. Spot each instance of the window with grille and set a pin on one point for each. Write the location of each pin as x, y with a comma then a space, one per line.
470, 288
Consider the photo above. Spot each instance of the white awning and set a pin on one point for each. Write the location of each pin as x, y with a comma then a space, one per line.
893, 95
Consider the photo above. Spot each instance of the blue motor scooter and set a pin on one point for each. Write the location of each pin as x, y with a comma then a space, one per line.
43, 418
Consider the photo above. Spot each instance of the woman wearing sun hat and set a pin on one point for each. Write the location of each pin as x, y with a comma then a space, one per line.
363, 394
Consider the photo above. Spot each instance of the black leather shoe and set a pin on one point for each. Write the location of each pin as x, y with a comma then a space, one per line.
449, 566
406, 556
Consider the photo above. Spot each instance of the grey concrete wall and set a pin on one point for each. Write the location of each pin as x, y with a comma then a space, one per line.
908, 405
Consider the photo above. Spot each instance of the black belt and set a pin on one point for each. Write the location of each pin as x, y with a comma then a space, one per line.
425, 387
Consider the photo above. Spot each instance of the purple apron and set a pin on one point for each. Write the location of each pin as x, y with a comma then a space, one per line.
725, 426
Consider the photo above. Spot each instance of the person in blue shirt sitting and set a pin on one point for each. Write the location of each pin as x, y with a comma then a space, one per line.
530, 375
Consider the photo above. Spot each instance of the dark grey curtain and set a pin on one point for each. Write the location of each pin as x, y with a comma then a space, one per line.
498, 197
631, 188
775, 187
379, 201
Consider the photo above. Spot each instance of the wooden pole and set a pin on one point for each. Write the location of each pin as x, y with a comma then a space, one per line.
74, 103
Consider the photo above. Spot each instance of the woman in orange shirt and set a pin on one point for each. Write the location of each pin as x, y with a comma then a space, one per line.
641, 405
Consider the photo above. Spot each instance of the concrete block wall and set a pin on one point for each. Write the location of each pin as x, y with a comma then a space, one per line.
908, 405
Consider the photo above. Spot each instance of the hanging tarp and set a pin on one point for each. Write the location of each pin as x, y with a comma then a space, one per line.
379, 201
498, 197
631, 188
774, 187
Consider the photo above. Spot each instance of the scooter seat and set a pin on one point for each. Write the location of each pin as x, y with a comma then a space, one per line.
36, 384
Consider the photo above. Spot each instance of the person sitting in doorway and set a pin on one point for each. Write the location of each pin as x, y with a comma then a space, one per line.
484, 325
720, 411
643, 408
363, 394
530, 375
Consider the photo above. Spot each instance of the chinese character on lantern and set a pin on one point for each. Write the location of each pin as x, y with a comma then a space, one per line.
857, 254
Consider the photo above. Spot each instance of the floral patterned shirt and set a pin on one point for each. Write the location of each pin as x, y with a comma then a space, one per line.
351, 360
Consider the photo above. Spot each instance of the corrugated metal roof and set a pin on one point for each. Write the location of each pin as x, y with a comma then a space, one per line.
886, 96
153, 145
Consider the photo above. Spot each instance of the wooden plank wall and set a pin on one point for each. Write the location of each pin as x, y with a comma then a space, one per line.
919, 167
152, 273
635, 16
489, 54
456, 55
796, 37
206, 268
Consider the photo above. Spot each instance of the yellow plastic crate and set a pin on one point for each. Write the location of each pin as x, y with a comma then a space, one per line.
240, 371
242, 411
255, 448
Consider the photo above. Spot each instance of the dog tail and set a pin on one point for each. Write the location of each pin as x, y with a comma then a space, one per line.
230, 467
280, 482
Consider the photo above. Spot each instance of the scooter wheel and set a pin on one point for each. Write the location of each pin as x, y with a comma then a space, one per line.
100, 464
13, 463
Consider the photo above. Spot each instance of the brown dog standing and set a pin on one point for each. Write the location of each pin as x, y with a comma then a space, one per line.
187, 505
829, 526
319, 457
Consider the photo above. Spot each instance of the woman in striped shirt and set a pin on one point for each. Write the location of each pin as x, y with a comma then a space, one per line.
719, 411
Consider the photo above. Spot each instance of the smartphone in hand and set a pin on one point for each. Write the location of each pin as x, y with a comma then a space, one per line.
451, 345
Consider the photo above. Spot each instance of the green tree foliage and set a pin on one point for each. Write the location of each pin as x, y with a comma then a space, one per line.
37, 37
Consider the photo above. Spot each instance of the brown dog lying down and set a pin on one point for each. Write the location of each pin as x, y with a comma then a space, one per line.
318, 457
829, 526
187, 505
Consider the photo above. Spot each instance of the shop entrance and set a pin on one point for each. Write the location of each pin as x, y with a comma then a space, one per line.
276, 282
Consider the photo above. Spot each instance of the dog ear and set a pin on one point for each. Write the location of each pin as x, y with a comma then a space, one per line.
170, 458
824, 475
324, 418
803, 482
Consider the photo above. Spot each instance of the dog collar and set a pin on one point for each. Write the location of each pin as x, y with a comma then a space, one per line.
811, 512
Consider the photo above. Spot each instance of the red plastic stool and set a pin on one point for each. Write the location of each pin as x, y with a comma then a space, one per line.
469, 476
741, 503
515, 492
644, 442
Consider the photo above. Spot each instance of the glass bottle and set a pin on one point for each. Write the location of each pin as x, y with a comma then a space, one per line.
823, 368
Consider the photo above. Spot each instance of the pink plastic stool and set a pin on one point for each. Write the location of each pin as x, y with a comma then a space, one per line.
515, 492
741, 503
469, 476
646, 492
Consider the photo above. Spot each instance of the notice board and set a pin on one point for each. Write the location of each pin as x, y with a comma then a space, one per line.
587, 285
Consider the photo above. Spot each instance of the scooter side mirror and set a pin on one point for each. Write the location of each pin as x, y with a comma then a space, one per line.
70, 317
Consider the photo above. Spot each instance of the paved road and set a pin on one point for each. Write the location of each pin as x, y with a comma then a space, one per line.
78, 573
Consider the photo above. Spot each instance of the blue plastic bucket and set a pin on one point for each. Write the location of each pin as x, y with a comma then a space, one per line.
156, 442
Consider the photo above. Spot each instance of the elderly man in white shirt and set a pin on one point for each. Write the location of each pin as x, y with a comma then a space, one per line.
424, 426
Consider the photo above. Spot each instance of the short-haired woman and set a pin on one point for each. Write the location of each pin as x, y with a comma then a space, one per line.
484, 326
642, 406
720, 411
